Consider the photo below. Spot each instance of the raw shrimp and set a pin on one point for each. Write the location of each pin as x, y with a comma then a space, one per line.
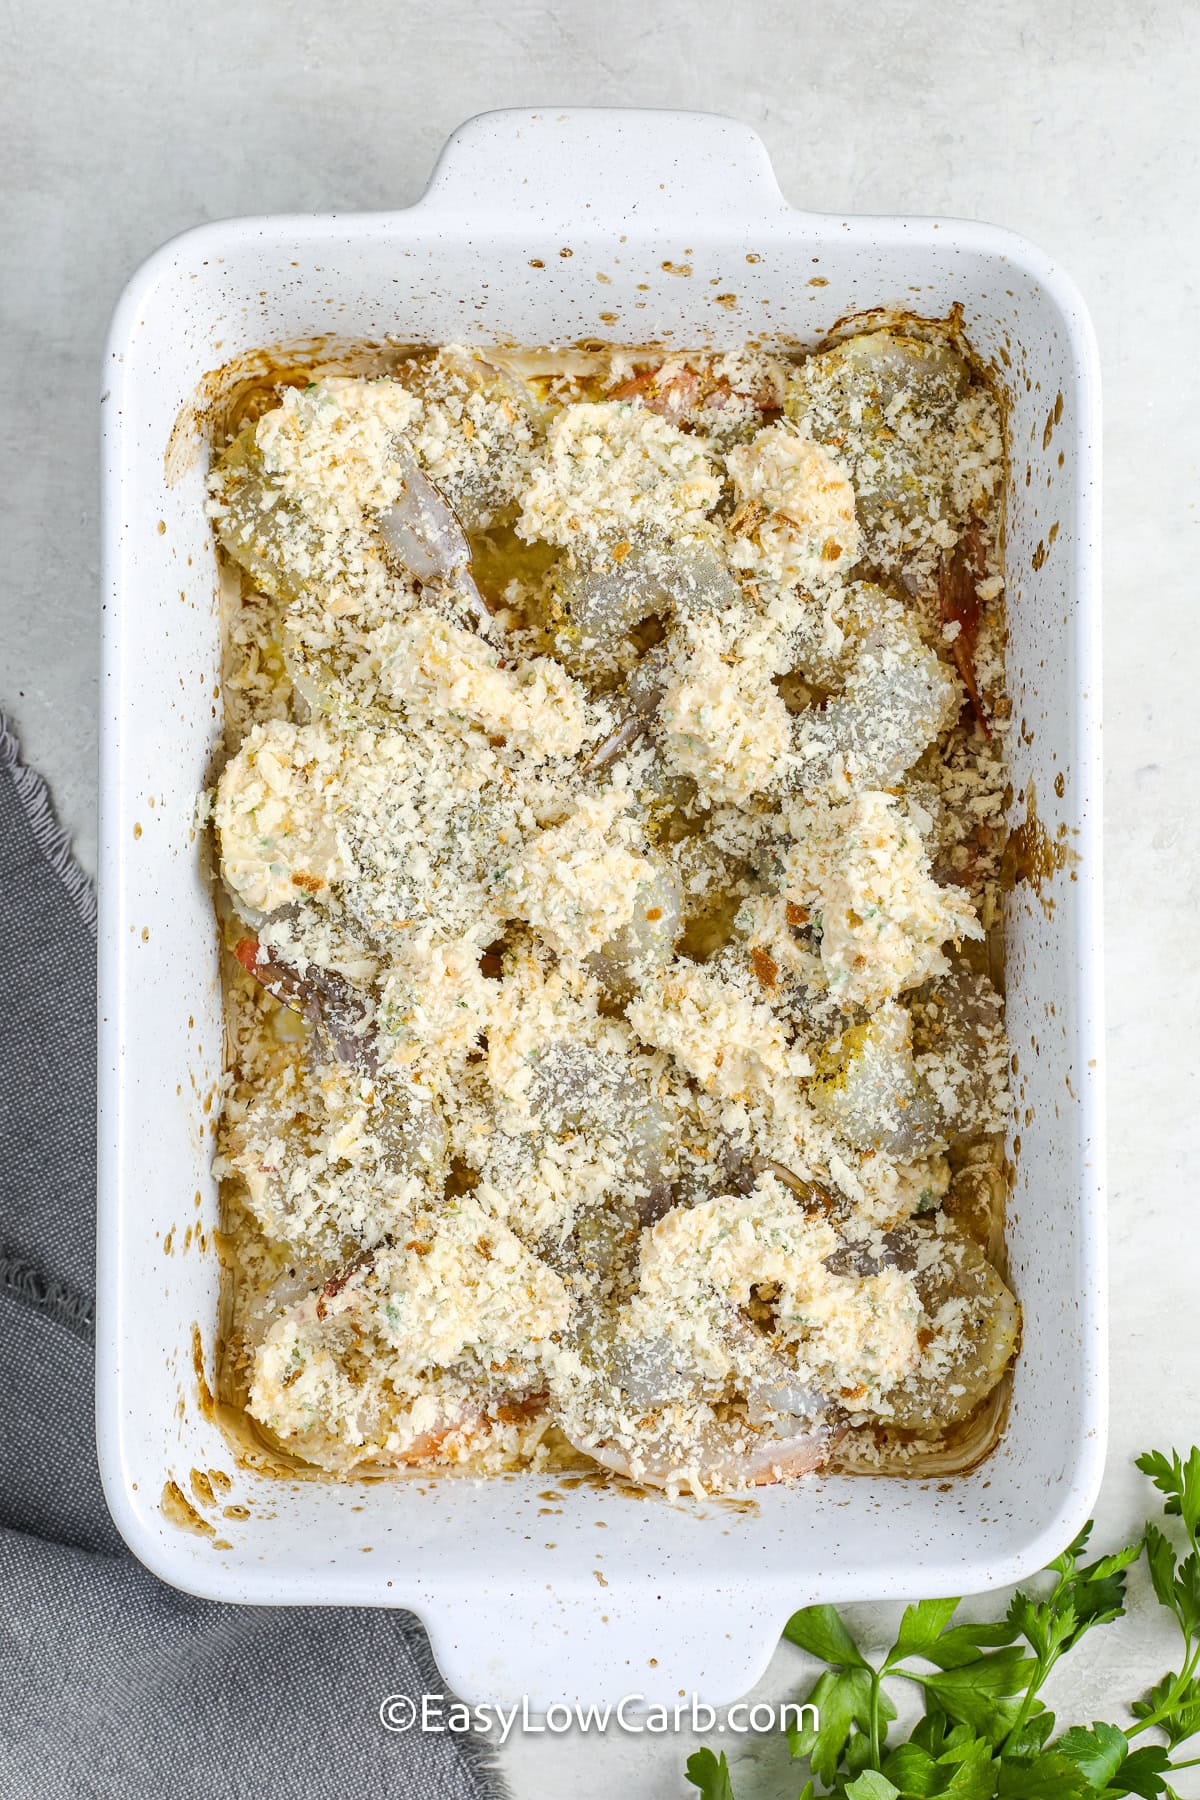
898, 698
376, 1352
718, 1371
259, 525
889, 404
691, 391
722, 1454
647, 941
962, 1051
309, 1376
592, 606
971, 1324
861, 870
402, 1128
338, 1010
601, 606
684, 1437
278, 836
335, 1158
473, 407
877, 1100
795, 521
266, 528
575, 1089
913, 1092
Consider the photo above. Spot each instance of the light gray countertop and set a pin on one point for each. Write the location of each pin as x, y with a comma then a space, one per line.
1074, 124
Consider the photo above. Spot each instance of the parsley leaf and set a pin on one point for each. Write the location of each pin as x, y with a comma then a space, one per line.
1180, 1481
1097, 1753
872, 1786
1121, 1559
820, 1631
1144, 1772
1158, 1699
1045, 1777
962, 1772
1029, 1736
962, 1643
920, 1629
1187, 1594
983, 1694
842, 1698
711, 1776
1174, 1705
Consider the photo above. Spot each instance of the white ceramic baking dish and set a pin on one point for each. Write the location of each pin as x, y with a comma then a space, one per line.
548, 228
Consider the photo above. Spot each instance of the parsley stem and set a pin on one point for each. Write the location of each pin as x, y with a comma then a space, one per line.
1177, 1689
1186, 1674
1036, 1681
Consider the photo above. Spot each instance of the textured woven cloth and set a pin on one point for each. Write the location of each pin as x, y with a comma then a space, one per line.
111, 1684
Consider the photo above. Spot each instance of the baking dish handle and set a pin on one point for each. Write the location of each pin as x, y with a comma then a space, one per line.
555, 1646
634, 167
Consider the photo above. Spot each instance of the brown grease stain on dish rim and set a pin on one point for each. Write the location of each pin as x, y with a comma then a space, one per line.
204, 1391
1031, 855
235, 391
202, 1487
178, 1509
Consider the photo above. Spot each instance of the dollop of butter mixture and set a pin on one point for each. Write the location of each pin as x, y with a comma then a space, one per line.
609, 844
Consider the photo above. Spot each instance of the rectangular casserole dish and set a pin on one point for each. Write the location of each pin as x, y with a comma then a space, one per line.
540, 228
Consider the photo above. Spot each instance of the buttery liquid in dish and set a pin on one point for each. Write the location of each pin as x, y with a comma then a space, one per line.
609, 844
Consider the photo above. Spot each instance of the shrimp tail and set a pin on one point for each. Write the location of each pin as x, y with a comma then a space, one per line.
322, 996
422, 531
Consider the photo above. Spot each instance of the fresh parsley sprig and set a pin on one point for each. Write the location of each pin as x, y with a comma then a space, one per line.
985, 1732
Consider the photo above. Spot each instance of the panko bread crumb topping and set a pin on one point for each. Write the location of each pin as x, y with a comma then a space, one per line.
608, 845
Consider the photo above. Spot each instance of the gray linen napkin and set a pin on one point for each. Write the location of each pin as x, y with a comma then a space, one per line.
112, 1684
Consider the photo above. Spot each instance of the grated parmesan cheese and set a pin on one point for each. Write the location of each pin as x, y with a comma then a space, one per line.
796, 519
610, 467
861, 870
440, 673
627, 1055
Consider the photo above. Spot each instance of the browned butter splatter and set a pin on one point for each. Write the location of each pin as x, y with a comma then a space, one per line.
176, 1507
207, 1404
202, 1487
1032, 855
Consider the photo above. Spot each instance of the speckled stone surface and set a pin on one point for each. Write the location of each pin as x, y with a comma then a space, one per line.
1068, 124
